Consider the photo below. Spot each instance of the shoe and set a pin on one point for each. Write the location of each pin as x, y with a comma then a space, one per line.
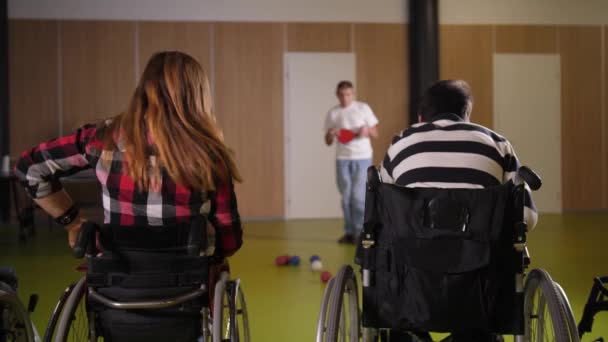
347, 239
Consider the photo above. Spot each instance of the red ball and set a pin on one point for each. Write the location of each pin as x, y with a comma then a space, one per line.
281, 260
325, 276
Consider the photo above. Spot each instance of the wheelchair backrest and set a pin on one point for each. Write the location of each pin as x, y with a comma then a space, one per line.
442, 230
442, 259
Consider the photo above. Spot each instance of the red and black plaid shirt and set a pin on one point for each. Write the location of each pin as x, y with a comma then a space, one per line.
41, 168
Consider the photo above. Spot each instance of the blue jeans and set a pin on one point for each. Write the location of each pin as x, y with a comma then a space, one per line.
351, 176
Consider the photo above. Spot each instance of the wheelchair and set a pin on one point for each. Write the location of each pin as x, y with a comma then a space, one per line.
149, 284
597, 302
448, 261
15, 323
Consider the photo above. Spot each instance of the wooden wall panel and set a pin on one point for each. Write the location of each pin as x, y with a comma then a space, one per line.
98, 69
382, 78
325, 37
580, 49
33, 73
526, 39
249, 102
605, 113
189, 37
466, 52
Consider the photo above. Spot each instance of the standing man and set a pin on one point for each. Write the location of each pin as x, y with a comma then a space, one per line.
351, 123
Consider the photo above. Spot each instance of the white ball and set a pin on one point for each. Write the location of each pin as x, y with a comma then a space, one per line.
316, 265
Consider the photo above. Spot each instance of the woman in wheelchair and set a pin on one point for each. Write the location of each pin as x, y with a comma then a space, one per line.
164, 171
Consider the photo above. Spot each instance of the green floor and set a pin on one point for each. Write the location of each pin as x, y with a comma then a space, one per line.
283, 302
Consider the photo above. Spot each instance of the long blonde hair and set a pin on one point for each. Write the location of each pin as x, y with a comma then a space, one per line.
170, 117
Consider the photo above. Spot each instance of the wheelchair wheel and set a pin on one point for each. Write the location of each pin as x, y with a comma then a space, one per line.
230, 319
51, 327
15, 324
545, 319
73, 324
572, 327
343, 316
322, 320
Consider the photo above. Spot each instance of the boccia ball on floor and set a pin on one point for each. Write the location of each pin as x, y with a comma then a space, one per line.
294, 260
281, 260
316, 265
325, 276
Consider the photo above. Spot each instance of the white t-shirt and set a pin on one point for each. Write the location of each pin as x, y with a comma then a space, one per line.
353, 117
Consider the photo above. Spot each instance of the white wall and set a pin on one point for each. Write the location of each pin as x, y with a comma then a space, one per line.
584, 12
207, 10
571, 12
527, 104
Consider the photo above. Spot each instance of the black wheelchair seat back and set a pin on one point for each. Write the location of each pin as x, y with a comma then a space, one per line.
442, 260
149, 264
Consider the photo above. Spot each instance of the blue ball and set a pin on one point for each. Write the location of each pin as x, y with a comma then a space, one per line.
294, 260
314, 257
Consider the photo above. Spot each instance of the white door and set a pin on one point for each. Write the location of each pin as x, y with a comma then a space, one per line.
527, 111
310, 81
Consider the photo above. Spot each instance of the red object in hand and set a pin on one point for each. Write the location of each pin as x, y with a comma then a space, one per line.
281, 260
325, 276
345, 136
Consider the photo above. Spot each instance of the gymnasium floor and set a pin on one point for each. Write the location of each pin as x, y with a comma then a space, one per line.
283, 302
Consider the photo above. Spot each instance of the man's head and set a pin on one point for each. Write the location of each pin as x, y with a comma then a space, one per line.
345, 93
447, 96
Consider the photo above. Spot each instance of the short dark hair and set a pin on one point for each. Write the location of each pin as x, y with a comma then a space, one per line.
344, 85
446, 96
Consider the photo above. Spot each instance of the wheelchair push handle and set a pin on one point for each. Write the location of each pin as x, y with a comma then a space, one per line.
85, 242
530, 177
373, 178
196, 236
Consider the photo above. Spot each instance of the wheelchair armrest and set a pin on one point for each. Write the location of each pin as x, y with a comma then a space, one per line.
147, 305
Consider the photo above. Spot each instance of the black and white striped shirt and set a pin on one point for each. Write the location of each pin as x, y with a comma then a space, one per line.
452, 153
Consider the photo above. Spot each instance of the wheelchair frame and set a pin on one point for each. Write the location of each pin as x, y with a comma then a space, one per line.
228, 295
551, 297
15, 318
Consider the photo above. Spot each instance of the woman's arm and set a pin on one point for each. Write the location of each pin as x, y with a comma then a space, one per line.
41, 168
224, 215
56, 205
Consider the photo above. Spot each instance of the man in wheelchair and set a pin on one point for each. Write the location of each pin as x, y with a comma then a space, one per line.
446, 151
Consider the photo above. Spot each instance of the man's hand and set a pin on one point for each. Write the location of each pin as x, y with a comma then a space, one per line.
368, 132
363, 132
330, 135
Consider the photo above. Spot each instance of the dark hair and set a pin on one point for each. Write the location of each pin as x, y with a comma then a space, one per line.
344, 85
447, 96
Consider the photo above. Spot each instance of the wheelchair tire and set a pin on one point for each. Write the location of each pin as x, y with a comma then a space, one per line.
73, 322
241, 316
15, 324
52, 324
322, 320
570, 320
343, 324
230, 319
542, 303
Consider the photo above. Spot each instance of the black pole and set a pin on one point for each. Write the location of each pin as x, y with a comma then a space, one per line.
4, 109
424, 50
4, 92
